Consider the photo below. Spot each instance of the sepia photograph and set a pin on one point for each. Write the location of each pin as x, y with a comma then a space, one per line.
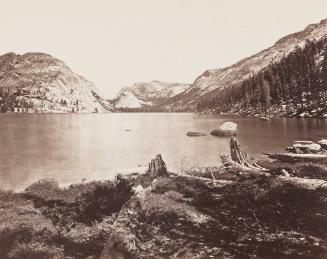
134, 129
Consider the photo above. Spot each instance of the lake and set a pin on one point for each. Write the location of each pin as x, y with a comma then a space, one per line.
70, 147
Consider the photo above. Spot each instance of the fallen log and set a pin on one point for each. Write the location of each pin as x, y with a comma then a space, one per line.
240, 162
293, 158
232, 166
305, 142
215, 182
310, 184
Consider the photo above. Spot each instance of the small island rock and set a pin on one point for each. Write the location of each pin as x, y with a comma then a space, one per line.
195, 134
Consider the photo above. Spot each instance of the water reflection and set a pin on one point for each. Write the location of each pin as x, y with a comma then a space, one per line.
97, 146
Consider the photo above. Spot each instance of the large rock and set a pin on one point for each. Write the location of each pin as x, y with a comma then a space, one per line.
308, 148
226, 130
323, 143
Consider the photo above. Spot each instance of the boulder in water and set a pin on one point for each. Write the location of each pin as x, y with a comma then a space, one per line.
226, 130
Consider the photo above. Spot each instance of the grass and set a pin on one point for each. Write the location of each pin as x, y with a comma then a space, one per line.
46, 221
24, 232
258, 216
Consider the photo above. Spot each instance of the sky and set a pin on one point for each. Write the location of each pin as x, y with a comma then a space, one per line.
115, 43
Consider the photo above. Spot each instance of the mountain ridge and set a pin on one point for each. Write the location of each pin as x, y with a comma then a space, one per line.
152, 95
212, 82
293, 64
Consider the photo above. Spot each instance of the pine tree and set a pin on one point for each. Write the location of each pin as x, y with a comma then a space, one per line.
323, 74
265, 95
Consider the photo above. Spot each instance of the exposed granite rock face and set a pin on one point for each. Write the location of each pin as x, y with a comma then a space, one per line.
39, 82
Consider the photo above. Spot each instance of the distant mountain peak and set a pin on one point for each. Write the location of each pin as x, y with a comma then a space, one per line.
154, 93
128, 100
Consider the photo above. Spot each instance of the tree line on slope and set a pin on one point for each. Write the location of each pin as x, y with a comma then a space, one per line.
298, 80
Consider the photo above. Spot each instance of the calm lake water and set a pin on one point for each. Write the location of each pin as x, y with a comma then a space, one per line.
70, 147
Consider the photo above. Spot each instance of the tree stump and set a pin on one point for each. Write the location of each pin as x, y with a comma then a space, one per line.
241, 157
157, 167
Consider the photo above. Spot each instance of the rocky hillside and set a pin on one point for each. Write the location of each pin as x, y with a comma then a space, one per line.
156, 91
290, 73
289, 78
150, 95
297, 55
38, 82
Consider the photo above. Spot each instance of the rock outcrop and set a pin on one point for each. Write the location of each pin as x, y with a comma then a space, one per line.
306, 147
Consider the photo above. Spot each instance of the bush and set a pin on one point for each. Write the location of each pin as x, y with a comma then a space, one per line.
104, 200
23, 241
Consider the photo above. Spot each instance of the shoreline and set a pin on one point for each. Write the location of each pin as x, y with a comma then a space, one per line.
300, 114
276, 112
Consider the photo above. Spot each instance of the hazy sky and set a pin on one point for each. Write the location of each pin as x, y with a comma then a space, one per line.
117, 43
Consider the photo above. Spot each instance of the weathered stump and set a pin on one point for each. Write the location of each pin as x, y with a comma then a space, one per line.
241, 157
157, 167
